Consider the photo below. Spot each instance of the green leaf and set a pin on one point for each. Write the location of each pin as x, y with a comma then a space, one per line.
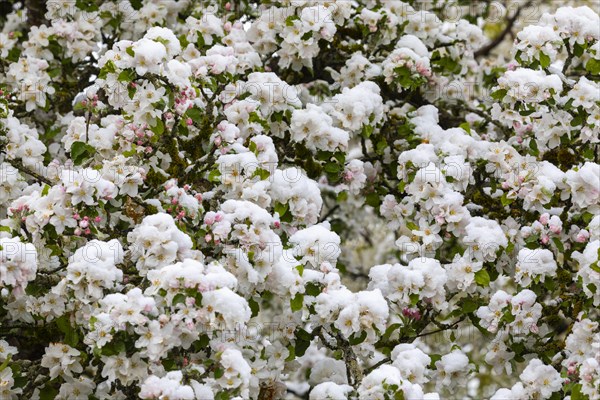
130, 51
126, 76
469, 305
179, 298
499, 94
482, 278
132, 152
579, 119
297, 302
292, 355
5, 363
434, 358
71, 335
263, 174
466, 127
342, 196
252, 147
373, 200
354, 340
301, 346
414, 299
159, 127
48, 393
578, 50
505, 200
559, 244
289, 21
81, 151
195, 114
593, 66
544, 60
254, 307
332, 168
534, 148
54, 72
312, 289
281, 209
300, 269
214, 176
576, 393
367, 131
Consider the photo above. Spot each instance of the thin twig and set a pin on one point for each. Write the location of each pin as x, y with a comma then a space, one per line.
485, 50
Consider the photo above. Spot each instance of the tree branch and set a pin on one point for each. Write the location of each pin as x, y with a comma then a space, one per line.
19, 165
487, 49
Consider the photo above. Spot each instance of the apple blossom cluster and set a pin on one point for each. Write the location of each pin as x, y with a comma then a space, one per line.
299, 199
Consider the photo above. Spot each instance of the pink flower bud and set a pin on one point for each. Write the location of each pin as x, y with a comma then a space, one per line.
555, 229
544, 218
198, 196
189, 122
87, 231
76, 216
77, 232
218, 140
207, 238
174, 200
190, 301
97, 219
228, 6
83, 224
545, 239
582, 236
277, 224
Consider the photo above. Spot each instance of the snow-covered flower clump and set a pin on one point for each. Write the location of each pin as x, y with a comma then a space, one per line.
319, 200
